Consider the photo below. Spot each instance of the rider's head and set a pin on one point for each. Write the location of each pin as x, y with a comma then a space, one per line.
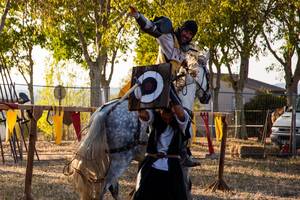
187, 31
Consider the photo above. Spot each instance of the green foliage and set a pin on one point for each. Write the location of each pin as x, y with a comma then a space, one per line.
146, 50
62, 28
265, 101
256, 110
21, 33
281, 38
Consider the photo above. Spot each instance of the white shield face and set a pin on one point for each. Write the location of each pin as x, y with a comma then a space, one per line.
152, 92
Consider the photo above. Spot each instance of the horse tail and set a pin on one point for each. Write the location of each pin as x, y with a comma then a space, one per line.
91, 163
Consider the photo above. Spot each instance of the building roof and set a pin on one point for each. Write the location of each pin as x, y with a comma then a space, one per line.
255, 84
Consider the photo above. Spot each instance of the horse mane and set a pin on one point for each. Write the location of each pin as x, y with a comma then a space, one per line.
89, 167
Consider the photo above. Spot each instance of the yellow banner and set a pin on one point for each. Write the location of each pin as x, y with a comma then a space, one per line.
11, 119
218, 127
58, 124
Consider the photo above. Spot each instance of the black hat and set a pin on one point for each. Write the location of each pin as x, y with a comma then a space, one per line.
190, 25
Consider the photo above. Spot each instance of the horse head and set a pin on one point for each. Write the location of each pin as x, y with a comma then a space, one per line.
194, 81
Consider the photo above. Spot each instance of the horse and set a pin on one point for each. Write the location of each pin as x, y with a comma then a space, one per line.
115, 136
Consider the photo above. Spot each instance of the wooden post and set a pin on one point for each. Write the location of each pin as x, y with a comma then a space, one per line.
13, 152
220, 183
30, 157
2, 152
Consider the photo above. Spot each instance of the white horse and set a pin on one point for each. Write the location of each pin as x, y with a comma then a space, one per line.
116, 137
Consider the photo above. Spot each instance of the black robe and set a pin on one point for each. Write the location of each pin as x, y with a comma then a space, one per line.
169, 184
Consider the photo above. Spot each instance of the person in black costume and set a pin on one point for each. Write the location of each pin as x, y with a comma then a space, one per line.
160, 175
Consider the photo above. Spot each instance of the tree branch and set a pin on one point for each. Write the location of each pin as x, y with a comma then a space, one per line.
103, 69
297, 71
4, 15
83, 42
282, 62
98, 10
237, 43
114, 55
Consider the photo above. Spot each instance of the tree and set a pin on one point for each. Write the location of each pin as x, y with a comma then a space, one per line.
283, 29
245, 20
90, 32
18, 39
214, 34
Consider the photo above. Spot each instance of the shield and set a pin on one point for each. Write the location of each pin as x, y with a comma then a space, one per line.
154, 86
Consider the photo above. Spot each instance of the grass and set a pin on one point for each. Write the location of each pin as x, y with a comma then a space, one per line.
270, 178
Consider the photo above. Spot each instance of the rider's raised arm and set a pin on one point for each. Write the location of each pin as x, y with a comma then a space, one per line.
161, 28
147, 25
162, 25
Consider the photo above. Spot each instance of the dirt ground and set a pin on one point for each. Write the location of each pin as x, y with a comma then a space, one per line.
270, 178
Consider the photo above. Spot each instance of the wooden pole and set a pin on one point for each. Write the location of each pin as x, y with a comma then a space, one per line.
220, 184
16, 140
30, 157
2, 152
13, 152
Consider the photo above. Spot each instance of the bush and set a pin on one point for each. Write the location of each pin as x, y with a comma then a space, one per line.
256, 111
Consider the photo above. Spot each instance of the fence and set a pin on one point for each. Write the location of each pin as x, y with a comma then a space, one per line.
257, 108
75, 95
255, 105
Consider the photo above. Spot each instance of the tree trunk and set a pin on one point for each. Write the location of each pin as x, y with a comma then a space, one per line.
30, 85
214, 85
240, 128
31, 93
291, 80
240, 131
105, 88
106, 93
217, 89
95, 96
216, 100
291, 90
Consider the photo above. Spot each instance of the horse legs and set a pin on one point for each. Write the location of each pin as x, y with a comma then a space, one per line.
114, 190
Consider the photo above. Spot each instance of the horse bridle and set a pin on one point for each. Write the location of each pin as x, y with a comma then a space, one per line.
199, 85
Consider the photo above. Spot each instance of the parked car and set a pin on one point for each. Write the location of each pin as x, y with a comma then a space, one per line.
282, 126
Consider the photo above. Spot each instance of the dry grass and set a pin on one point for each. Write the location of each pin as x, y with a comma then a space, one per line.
270, 178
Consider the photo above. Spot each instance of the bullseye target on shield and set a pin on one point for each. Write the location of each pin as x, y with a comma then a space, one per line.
154, 86
151, 87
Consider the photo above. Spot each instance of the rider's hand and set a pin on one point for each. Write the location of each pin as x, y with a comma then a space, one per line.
133, 12
143, 115
184, 64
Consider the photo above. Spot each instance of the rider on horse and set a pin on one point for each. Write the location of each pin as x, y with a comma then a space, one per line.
173, 46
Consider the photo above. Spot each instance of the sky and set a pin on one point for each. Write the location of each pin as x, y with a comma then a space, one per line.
257, 70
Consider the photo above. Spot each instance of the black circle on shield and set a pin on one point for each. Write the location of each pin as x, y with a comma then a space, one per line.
151, 87
148, 86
